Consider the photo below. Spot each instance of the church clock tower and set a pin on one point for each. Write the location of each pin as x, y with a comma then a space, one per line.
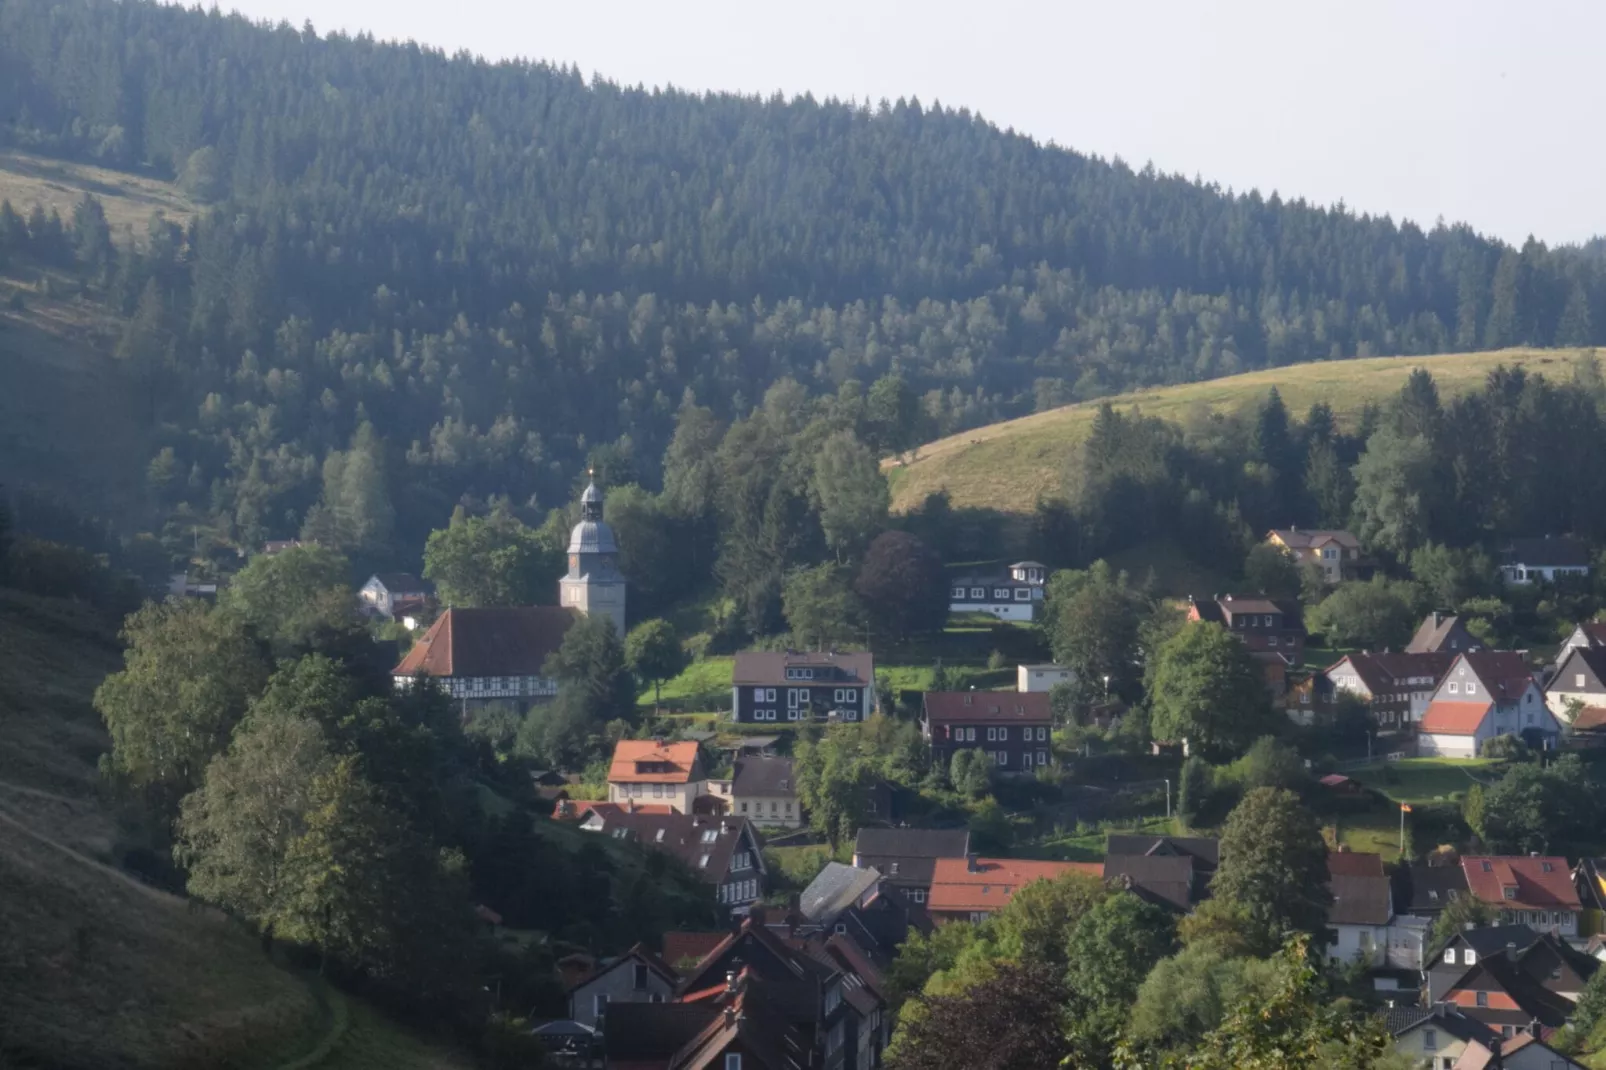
594, 584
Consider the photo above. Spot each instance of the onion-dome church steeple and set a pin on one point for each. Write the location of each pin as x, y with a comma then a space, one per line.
594, 585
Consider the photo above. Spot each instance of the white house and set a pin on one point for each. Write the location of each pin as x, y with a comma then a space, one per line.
1363, 907
1015, 595
1545, 560
1580, 677
1042, 677
1485, 693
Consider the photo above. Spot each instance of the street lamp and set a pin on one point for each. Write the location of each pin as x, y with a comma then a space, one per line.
1168, 798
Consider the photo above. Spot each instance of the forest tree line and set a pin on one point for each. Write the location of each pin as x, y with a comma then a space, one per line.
506, 272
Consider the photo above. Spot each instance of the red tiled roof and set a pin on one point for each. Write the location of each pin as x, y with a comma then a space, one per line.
491, 641
1536, 887
1454, 718
994, 881
696, 946
1023, 707
1589, 719
633, 760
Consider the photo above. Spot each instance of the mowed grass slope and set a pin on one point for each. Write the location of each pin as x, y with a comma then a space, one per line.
1008, 466
97, 969
129, 200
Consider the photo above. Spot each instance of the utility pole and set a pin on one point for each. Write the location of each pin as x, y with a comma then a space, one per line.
1168, 798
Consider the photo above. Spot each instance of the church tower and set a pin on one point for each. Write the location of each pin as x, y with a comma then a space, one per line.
594, 585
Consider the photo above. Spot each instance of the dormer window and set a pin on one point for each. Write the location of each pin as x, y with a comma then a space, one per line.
710, 835
1488, 868
1449, 955
1509, 892
1546, 867
1471, 957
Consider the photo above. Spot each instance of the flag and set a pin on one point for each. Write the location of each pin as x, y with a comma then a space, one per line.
1405, 808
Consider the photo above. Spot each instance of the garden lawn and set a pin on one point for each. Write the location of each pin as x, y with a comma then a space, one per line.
1423, 780
704, 685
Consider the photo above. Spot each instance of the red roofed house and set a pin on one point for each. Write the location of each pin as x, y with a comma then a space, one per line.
490, 654
969, 889
647, 772
1484, 694
1012, 728
1526, 889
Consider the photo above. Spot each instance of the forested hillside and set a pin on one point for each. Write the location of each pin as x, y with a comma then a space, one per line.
463, 278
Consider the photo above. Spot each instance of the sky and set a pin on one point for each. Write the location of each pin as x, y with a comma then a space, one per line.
1475, 111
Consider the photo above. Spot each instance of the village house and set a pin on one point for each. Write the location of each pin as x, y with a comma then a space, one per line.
1264, 625
654, 772
762, 790
1013, 728
1526, 889
1545, 560
1442, 633
1362, 908
722, 851
395, 596
907, 858
1590, 634
1044, 677
769, 686
1395, 687
1522, 1052
1578, 683
970, 889
1013, 595
1510, 978
836, 1013
1170, 871
489, 654
1434, 1037
1424, 891
1336, 553
1485, 694
637, 976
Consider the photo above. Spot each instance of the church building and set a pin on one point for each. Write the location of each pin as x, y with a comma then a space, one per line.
594, 586
489, 654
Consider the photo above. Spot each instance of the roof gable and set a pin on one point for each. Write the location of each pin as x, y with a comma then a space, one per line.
1590, 661
489, 641
988, 707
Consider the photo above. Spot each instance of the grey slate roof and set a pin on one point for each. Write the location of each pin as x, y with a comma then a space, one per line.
1426, 890
1359, 900
836, 889
909, 856
1561, 551
763, 776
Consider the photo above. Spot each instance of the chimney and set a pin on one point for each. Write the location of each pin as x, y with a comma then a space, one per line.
970, 863
730, 1015
1438, 618
1511, 950
730, 980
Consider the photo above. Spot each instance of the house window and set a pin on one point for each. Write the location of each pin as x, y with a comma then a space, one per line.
1483, 999
1023, 594
919, 895
1003, 734
599, 1004
978, 592
791, 715
959, 592
1454, 687
1430, 1040
1578, 681
1042, 757
1471, 957
1026, 759
744, 808
992, 735
640, 978
1449, 955
1003, 757
733, 1061
1471, 687
1001, 593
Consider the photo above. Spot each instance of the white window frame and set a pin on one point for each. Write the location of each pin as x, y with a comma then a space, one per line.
978, 593
733, 1060
992, 734
959, 593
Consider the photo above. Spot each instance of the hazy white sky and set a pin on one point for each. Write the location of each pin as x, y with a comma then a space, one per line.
1478, 111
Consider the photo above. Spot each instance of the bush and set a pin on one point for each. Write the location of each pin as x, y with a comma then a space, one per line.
53, 570
1506, 748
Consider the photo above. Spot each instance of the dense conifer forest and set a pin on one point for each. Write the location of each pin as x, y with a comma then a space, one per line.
469, 279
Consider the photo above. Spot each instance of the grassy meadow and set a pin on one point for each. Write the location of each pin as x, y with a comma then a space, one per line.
1007, 466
